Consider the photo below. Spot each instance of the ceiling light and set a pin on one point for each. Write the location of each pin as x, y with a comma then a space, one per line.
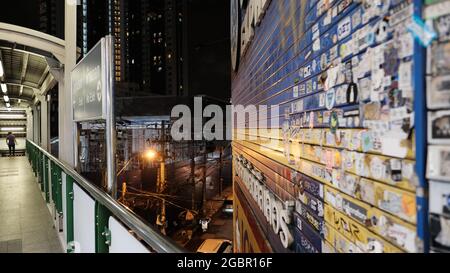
4, 87
11, 116
8, 105
12, 129
6, 98
2, 72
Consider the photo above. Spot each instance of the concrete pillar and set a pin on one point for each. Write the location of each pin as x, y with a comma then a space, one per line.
30, 123
45, 124
66, 125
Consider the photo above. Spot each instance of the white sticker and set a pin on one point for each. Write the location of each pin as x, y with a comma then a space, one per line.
377, 168
295, 91
405, 76
322, 100
316, 45
344, 28
406, 45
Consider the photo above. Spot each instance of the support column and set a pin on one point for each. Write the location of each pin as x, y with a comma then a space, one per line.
30, 123
45, 128
66, 125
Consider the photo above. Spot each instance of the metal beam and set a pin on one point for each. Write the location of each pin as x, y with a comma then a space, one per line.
18, 83
44, 76
33, 38
26, 57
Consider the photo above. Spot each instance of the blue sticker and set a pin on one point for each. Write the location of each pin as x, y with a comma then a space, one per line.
423, 33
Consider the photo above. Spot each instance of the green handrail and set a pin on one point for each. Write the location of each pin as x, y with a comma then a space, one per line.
150, 235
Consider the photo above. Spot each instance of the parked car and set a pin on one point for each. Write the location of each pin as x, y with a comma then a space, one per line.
228, 205
216, 246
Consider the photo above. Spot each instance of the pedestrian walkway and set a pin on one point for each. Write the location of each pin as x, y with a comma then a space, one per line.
25, 221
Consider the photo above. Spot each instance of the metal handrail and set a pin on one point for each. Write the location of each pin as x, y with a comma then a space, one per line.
149, 234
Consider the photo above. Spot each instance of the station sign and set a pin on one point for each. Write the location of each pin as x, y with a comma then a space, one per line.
88, 81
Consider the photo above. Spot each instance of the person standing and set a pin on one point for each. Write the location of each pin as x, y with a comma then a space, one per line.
11, 142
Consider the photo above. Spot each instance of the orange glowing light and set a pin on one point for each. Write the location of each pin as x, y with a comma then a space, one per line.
150, 154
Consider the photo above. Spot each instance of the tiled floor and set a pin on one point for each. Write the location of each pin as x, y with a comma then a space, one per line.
25, 221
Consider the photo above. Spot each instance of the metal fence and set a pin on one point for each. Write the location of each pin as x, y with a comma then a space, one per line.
87, 218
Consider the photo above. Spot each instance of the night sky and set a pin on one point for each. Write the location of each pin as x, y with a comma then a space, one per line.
20, 12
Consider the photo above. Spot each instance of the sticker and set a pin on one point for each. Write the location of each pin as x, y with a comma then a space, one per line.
377, 168
334, 122
442, 26
408, 170
439, 197
405, 76
296, 91
344, 28
365, 87
316, 45
440, 54
439, 127
438, 92
439, 163
372, 111
322, 99
367, 141
360, 164
421, 31
330, 99
406, 45
396, 170
381, 31
323, 62
356, 19
440, 232
392, 144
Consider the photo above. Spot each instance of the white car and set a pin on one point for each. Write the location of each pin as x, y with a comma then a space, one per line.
216, 246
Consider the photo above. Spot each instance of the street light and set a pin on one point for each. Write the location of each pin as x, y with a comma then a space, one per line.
150, 154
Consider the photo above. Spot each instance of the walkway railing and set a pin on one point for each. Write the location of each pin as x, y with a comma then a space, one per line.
88, 219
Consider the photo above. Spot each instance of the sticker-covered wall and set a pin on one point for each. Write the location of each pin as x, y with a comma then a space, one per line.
437, 16
339, 173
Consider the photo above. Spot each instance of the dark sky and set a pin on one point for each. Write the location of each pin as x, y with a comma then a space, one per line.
20, 12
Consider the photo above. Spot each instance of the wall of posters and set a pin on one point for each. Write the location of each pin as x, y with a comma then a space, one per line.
342, 73
437, 15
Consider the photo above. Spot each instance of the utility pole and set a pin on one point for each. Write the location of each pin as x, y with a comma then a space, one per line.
220, 171
205, 162
192, 176
162, 177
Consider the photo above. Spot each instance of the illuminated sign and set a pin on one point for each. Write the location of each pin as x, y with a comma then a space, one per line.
277, 214
242, 31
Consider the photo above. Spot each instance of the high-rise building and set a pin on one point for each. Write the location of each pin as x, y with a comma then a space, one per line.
51, 17
153, 46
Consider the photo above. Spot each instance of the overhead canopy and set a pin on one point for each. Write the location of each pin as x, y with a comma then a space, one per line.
28, 58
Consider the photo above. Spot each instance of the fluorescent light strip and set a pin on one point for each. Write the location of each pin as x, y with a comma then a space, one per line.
6, 98
4, 88
13, 116
2, 72
12, 129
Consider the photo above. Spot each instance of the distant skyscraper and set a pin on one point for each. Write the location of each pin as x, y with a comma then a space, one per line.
152, 47
51, 17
